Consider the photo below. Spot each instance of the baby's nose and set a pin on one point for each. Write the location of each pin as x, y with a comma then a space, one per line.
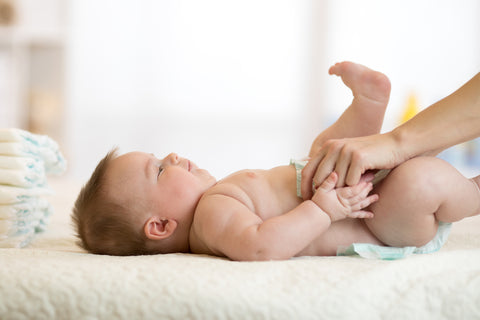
173, 157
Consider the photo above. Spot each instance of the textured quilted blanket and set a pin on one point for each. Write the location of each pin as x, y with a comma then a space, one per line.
54, 279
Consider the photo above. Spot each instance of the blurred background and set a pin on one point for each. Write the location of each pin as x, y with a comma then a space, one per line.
229, 84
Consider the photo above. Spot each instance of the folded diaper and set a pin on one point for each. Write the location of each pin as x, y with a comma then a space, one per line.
22, 178
53, 159
19, 222
371, 251
20, 226
25, 160
22, 163
11, 195
36, 222
23, 210
17, 142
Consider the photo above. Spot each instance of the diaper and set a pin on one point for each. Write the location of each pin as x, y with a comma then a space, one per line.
19, 222
299, 165
371, 251
22, 178
25, 161
35, 222
11, 195
23, 210
20, 143
22, 163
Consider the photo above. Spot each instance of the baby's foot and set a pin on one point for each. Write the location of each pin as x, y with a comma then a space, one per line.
370, 88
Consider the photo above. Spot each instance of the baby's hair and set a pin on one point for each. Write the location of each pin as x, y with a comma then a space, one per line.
103, 226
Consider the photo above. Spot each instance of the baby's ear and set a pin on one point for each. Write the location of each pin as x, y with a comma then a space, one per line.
159, 228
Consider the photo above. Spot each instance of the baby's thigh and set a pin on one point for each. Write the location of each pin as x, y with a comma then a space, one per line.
408, 201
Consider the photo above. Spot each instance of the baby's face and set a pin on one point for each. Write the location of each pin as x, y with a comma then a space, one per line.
169, 187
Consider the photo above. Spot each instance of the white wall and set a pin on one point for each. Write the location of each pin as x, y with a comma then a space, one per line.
236, 84
213, 80
426, 47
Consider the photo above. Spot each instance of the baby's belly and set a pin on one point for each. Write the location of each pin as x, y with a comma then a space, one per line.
340, 233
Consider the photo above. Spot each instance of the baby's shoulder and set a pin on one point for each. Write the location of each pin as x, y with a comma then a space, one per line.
226, 194
220, 203
220, 211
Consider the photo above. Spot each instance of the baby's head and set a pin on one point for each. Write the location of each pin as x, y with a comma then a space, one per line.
138, 204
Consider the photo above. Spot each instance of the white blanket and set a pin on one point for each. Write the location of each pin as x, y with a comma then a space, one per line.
53, 278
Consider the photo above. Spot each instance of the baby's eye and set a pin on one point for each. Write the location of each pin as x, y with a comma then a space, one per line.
160, 169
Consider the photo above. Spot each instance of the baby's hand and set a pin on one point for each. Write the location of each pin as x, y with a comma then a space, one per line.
344, 202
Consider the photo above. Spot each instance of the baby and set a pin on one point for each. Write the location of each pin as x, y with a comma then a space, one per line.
138, 204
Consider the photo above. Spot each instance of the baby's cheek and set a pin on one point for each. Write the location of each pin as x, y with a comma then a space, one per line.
186, 189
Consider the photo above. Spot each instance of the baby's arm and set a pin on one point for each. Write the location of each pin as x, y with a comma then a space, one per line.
230, 228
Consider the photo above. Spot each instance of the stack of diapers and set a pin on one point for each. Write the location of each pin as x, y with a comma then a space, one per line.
25, 161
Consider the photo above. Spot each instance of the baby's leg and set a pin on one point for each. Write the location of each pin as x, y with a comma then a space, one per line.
371, 91
415, 196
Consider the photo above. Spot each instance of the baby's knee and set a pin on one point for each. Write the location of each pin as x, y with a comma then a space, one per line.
422, 165
423, 175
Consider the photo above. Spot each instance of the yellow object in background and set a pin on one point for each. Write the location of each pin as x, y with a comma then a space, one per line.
411, 109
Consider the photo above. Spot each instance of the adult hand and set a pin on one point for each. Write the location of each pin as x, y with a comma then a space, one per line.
350, 158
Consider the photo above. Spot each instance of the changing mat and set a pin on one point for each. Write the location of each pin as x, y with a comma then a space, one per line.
54, 279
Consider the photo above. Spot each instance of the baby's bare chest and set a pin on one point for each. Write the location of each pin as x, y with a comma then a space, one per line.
267, 193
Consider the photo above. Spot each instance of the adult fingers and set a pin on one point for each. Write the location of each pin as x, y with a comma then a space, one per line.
355, 171
307, 176
327, 165
368, 176
341, 166
329, 183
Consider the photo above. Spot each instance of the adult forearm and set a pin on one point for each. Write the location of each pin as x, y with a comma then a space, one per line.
450, 121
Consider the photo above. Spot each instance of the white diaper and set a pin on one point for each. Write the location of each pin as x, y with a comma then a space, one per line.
22, 178
371, 251
22, 163
11, 195
22, 210
25, 161
16, 142
20, 221
10, 228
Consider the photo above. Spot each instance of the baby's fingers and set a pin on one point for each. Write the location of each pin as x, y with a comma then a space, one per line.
361, 203
356, 193
329, 183
366, 202
363, 192
362, 214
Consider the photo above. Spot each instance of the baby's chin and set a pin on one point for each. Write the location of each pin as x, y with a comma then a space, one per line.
211, 181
